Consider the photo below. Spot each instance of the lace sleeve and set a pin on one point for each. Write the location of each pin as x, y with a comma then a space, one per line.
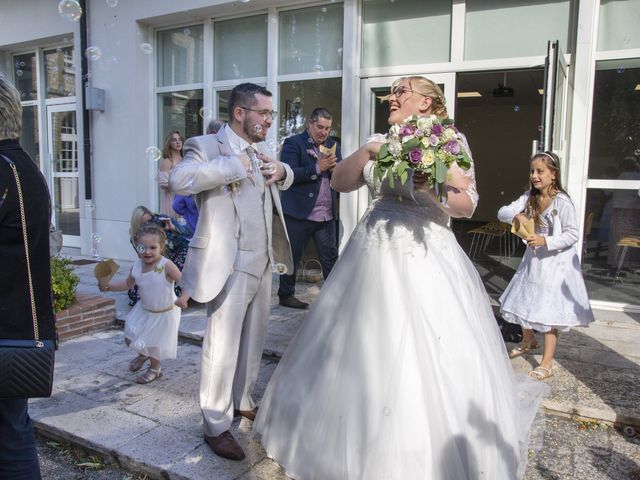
367, 171
472, 191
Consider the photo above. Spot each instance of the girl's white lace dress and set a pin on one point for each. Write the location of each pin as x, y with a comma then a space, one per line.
399, 370
152, 324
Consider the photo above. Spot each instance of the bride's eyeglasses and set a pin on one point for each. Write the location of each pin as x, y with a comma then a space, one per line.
401, 90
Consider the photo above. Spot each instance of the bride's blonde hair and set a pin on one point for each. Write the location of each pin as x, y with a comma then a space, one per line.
425, 87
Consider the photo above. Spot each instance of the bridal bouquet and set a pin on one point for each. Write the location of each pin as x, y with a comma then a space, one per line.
426, 144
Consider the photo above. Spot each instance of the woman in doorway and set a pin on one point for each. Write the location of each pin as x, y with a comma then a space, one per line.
171, 156
400, 370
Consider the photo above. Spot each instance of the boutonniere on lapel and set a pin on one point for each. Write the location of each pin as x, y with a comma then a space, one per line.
312, 152
233, 187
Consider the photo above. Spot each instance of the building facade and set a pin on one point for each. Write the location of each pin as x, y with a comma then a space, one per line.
104, 81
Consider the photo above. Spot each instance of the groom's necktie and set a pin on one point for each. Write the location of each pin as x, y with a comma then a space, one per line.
255, 166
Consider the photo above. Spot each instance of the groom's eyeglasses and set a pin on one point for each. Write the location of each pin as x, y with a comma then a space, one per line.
265, 113
400, 91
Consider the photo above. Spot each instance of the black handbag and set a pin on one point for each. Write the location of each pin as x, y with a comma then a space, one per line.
26, 366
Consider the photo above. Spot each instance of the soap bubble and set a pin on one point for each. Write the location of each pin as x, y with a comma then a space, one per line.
186, 31
280, 268
93, 53
94, 253
323, 9
89, 206
96, 237
516, 108
19, 73
620, 70
139, 344
317, 68
140, 248
22, 64
258, 128
153, 153
111, 3
146, 48
637, 152
540, 128
204, 112
70, 10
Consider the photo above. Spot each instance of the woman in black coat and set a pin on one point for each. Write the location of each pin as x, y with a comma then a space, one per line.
18, 456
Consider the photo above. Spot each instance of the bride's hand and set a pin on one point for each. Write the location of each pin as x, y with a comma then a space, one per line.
373, 148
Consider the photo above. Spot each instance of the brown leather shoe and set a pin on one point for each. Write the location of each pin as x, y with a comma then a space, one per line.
224, 445
293, 302
248, 414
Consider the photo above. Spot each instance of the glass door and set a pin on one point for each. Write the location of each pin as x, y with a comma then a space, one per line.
552, 134
63, 156
611, 237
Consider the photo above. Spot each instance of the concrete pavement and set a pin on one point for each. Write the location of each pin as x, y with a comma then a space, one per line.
156, 428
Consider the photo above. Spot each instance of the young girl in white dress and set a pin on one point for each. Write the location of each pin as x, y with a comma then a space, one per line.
547, 292
151, 327
399, 370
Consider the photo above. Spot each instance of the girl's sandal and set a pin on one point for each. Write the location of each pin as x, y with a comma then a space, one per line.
541, 373
137, 363
149, 376
523, 348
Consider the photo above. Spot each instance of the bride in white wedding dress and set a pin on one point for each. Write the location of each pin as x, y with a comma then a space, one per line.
399, 370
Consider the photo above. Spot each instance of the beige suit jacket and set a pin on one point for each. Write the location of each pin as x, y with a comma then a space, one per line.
208, 166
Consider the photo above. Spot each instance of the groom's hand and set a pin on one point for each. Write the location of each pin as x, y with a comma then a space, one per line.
272, 170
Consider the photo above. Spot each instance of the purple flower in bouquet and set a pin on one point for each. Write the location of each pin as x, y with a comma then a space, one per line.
407, 130
419, 133
433, 140
415, 155
437, 129
452, 146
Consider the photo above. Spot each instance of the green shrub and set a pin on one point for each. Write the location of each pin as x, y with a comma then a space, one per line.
64, 281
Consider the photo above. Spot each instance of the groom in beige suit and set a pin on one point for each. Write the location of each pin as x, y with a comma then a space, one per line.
238, 241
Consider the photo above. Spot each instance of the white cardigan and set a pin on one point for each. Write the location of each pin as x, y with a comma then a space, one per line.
561, 216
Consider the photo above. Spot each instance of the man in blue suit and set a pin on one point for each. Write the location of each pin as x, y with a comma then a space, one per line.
309, 205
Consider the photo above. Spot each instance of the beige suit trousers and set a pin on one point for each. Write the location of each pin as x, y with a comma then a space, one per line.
232, 348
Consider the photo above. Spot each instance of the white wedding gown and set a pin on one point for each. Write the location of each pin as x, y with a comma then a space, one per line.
399, 370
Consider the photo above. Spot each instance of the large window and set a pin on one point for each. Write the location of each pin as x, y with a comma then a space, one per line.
180, 111
618, 25
311, 40
247, 35
514, 28
611, 247
60, 73
405, 33
298, 99
24, 74
180, 56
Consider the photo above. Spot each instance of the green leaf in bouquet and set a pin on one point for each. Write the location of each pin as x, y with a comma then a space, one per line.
391, 178
465, 162
447, 121
441, 171
411, 143
402, 166
384, 151
404, 176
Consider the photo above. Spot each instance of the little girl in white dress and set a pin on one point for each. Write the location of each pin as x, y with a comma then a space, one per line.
547, 292
152, 324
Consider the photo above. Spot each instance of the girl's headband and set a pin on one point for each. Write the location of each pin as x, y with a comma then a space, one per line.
553, 160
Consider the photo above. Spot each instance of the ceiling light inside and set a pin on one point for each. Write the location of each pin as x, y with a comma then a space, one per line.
469, 94
637, 89
541, 91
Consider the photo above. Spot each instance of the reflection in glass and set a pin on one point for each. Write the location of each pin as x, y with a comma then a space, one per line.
24, 74
65, 172
248, 35
180, 55
618, 25
311, 39
180, 111
615, 128
298, 99
611, 247
388, 27
60, 73
507, 29
29, 139
223, 102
